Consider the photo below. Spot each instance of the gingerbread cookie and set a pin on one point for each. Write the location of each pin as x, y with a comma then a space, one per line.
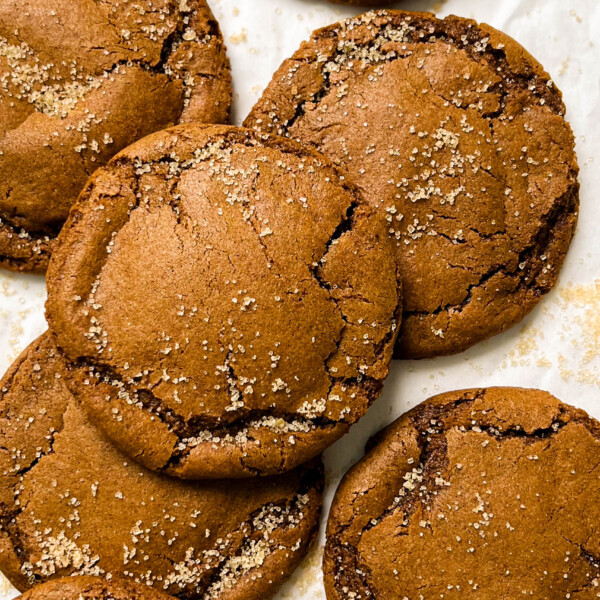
72, 504
81, 80
490, 493
456, 134
228, 305
91, 588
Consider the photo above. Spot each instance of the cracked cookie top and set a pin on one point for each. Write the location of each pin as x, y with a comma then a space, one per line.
492, 493
91, 588
72, 504
227, 304
457, 135
79, 81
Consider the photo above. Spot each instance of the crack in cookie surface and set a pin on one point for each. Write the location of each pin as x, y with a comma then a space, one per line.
228, 285
483, 490
456, 134
60, 515
71, 102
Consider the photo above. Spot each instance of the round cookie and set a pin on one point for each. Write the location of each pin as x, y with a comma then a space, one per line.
228, 305
79, 81
72, 504
91, 588
456, 134
490, 493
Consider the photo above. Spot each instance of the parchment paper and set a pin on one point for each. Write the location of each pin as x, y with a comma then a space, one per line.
557, 348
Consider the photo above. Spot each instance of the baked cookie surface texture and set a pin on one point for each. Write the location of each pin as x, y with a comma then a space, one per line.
71, 504
79, 81
490, 493
228, 305
456, 134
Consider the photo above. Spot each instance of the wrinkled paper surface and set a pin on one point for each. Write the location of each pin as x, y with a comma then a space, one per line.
556, 348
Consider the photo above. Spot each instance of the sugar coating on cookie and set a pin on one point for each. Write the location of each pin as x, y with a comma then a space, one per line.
228, 305
91, 588
81, 80
71, 504
457, 135
490, 493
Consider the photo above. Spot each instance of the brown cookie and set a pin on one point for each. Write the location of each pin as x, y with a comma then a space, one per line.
71, 504
456, 134
490, 493
79, 81
228, 305
91, 588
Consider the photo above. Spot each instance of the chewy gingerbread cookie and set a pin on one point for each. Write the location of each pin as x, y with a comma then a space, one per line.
91, 588
228, 305
490, 493
79, 81
72, 504
456, 134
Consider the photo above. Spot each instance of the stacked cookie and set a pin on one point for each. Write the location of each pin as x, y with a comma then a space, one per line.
72, 502
224, 303
457, 136
227, 305
82, 80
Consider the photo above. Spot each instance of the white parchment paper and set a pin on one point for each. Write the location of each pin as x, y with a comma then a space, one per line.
556, 348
